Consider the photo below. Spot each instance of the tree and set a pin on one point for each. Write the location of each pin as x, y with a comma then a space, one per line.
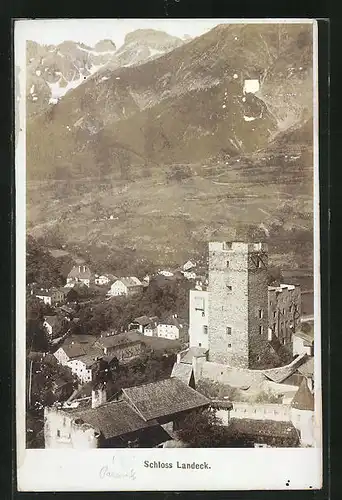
41, 267
36, 335
202, 429
274, 276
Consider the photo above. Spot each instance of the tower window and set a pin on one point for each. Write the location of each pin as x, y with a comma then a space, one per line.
229, 288
261, 329
58, 433
227, 263
261, 313
229, 330
229, 345
199, 303
205, 329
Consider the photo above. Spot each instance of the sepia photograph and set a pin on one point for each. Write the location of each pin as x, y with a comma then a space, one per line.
168, 291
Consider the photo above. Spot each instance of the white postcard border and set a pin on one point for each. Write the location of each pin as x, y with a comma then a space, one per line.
124, 469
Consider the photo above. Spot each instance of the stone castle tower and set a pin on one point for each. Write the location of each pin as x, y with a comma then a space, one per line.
238, 304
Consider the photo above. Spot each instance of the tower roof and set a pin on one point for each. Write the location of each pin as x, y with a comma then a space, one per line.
303, 399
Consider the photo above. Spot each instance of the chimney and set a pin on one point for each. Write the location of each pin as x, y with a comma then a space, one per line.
98, 396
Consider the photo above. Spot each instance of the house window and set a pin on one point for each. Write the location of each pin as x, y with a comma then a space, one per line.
199, 344
261, 329
58, 433
205, 330
229, 288
274, 314
227, 263
261, 313
229, 346
229, 330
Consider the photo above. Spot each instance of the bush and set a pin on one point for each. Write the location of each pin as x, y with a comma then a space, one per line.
203, 430
216, 390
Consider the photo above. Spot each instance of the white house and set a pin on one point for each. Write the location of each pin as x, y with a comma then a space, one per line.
104, 279
80, 358
170, 328
45, 296
189, 275
166, 273
145, 325
53, 325
125, 286
79, 275
302, 343
189, 265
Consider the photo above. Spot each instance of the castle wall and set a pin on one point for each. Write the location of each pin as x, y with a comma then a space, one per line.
303, 420
61, 431
224, 374
261, 411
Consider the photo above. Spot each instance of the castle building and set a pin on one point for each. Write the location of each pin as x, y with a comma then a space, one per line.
198, 318
284, 309
238, 312
238, 305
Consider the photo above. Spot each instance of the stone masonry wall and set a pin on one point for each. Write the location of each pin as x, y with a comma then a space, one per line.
257, 310
228, 308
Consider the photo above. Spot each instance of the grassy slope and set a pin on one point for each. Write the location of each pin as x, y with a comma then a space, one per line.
167, 221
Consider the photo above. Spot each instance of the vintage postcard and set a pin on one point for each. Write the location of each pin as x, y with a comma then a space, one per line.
168, 281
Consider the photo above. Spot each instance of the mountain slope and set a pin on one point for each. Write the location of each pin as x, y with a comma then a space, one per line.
52, 71
185, 106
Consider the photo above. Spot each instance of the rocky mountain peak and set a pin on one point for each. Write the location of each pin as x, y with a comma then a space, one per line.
105, 46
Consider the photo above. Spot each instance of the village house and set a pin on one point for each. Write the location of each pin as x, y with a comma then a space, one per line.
189, 265
55, 326
166, 273
141, 416
171, 328
52, 296
80, 354
124, 347
44, 295
189, 275
145, 325
80, 274
104, 279
125, 286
